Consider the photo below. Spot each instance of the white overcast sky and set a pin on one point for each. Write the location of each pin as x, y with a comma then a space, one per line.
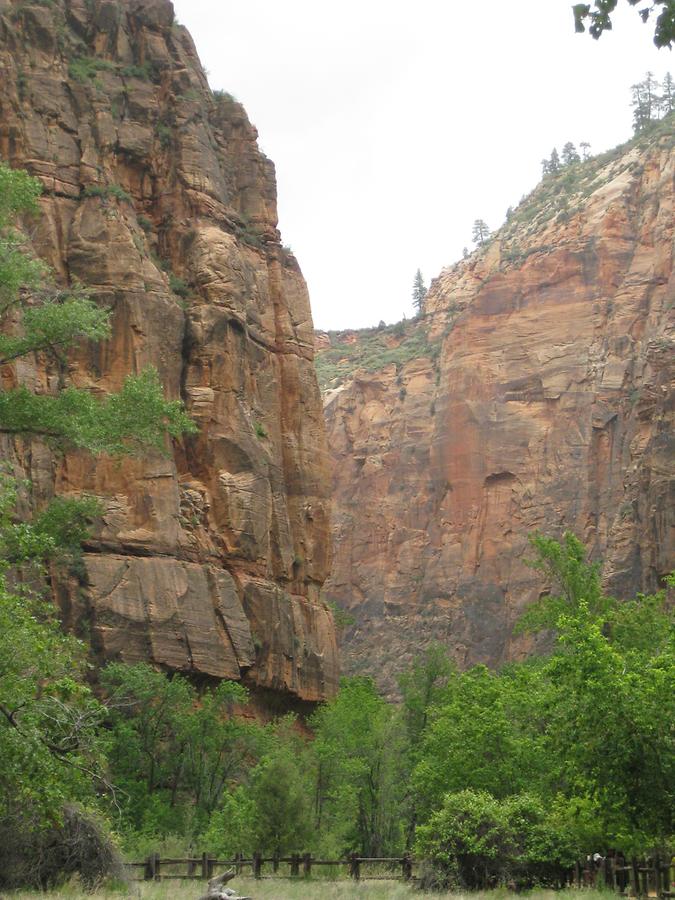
393, 125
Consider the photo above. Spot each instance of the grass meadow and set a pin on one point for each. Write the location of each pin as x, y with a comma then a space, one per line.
282, 889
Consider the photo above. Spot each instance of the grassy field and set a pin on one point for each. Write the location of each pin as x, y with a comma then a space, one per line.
280, 889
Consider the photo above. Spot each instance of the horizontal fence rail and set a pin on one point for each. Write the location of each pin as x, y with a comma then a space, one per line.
300, 865
652, 877
643, 878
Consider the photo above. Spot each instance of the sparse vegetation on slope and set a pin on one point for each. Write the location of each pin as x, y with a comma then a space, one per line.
371, 349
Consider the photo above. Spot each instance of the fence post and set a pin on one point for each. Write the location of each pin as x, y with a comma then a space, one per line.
257, 864
275, 862
307, 864
657, 875
355, 867
295, 864
157, 864
205, 865
634, 877
577, 874
406, 867
237, 863
666, 877
149, 871
192, 865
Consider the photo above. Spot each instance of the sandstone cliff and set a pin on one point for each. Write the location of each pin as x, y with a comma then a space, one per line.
157, 198
535, 395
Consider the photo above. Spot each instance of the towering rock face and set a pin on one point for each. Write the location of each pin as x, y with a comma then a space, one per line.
208, 560
542, 402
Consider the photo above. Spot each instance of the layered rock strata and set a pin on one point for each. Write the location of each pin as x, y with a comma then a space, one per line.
543, 401
208, 560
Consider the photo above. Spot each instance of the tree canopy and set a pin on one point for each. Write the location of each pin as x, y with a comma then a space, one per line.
598, 18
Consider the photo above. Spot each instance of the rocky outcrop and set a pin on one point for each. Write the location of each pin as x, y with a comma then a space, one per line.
542, 401
207, 560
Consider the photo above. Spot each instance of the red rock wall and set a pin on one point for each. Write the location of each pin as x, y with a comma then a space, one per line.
549, 407
209, 560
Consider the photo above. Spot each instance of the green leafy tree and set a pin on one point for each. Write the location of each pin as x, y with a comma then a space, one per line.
38, 318
359, 753
174, 753
598, 17
485, 734
480, 232
422, 689
612, 700
419, 292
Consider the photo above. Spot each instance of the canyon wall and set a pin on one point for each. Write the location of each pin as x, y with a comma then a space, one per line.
209, 559
535, 394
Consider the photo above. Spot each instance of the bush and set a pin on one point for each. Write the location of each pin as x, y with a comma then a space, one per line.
178, 286
86, 68
107, 190
477, 841
46, 857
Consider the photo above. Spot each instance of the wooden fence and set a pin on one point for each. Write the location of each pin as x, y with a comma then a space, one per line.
300, 865
635, 878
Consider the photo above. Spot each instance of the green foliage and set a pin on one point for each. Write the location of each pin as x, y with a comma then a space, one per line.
174, 753
260, 430
56, 533
55, 324
282, 821
358, 753
224, 97
599, 18
562, 193
476, 840
178, 286
419, 292
480, 232
341, 617
137, 417
108, 190
477, 737
370, 349
84, 69
145, 72
248, 233
50, 751
565, 567
164, 134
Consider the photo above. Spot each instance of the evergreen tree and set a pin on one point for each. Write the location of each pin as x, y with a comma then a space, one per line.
667, 99
585, 150
480, 232
554, 162
569, 154
645, 103
419, 292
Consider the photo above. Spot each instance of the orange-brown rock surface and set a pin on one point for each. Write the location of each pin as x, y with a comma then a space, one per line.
210, 559
542, 402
